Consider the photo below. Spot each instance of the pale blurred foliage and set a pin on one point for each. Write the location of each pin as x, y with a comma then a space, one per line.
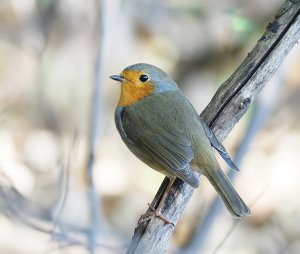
47, 56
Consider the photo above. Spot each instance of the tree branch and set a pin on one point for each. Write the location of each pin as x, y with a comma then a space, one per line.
263, 106
226, 108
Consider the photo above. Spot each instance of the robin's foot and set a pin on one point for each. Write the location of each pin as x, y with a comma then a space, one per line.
153, 214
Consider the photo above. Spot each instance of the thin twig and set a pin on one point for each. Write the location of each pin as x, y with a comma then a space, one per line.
95, 126
64, 189
69, 237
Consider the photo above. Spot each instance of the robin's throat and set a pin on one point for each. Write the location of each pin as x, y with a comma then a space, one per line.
131, 93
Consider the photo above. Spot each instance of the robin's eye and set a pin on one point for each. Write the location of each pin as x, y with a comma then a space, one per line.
144, 78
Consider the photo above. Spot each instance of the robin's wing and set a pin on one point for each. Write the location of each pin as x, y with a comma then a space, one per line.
170, 149
218, 146
174, 153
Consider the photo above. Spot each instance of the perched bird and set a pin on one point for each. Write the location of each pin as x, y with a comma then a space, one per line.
161, 127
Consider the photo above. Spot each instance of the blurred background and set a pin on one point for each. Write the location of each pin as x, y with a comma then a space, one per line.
54, 53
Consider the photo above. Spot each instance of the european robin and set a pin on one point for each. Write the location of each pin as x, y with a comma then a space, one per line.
161, 127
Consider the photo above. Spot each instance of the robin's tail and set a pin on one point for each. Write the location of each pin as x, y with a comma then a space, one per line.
230, 197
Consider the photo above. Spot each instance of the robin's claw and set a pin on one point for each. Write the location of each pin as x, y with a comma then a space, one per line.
153, 214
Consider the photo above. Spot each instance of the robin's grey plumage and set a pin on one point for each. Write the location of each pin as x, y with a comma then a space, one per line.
161, 127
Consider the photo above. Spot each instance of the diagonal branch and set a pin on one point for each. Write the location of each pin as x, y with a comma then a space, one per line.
226, 108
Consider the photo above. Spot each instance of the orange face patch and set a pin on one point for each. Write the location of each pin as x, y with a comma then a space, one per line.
133, 90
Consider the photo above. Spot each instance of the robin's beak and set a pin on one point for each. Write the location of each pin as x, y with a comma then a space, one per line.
118, 78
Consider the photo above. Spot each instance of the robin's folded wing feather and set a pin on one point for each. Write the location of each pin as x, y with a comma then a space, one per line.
218, 146
171, 150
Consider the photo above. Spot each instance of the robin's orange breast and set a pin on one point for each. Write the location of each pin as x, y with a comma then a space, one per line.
132, 90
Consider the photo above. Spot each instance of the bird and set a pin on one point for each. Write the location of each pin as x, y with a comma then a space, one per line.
161, 127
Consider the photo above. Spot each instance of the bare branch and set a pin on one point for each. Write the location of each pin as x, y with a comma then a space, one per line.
95, 126
263, 107
229, 104
15, 205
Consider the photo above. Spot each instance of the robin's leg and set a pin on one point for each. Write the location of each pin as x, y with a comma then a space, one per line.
157, 212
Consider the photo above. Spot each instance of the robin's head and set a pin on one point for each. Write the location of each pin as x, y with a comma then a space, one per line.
141, 80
